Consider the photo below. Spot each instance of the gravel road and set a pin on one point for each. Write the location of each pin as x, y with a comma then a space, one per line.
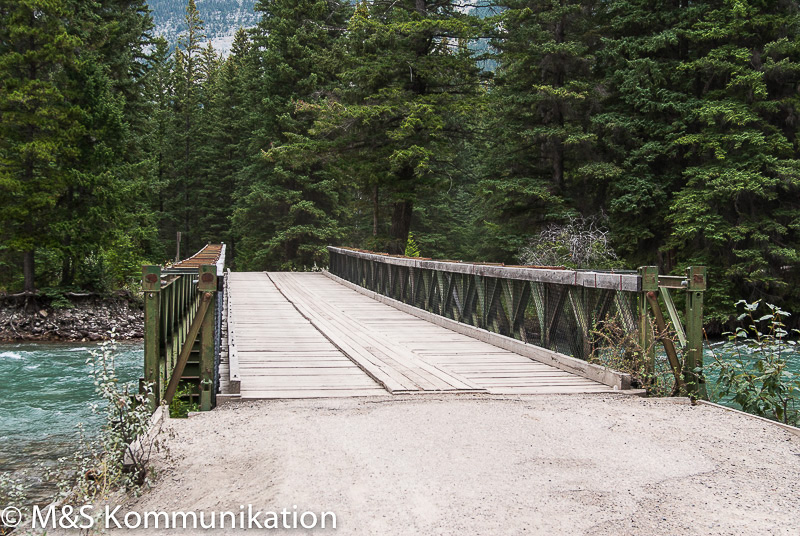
488, 465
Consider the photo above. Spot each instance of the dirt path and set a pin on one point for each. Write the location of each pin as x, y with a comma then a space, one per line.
470, 464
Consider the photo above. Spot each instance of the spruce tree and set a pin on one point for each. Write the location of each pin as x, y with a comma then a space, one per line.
158, 138
408, 85
696, 121
40, 127
739, 205
288, 202
101, 219
228, 130
187, 134
643, 111
540, 161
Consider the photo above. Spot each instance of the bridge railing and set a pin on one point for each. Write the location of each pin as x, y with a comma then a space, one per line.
559, 310
182, 326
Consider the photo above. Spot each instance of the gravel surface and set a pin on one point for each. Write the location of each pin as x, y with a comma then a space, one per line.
479, 464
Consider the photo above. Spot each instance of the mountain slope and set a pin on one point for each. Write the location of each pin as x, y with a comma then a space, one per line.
222, 18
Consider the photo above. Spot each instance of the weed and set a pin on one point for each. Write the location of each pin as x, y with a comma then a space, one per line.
181, 404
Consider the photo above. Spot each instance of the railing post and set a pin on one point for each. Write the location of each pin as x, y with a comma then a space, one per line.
151, 286
695, 382
649, 284
207, 282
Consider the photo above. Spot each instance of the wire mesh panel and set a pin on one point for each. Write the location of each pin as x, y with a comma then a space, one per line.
557, 309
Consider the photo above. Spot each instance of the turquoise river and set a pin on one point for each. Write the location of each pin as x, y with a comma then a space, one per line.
45, 391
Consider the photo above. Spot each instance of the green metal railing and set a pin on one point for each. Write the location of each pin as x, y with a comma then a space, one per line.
182, 327
557, 309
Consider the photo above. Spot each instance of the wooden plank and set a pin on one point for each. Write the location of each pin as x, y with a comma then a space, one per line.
312, 393
286, 354
305, 371
281, 355
421, 375
444, 352
569, 364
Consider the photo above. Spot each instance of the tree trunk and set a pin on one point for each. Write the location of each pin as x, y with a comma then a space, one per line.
67, 264
401, 224
67, 271
375, 210
29, 271
558, 164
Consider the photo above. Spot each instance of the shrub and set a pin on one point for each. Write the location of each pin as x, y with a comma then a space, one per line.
755, 375
181, 404
617, 347
578, 243
119, 457
412, 249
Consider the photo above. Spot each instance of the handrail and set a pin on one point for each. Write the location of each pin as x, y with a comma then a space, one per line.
610, 279
182, 325
555, 308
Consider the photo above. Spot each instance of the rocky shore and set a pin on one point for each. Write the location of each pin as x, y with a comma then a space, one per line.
87, 318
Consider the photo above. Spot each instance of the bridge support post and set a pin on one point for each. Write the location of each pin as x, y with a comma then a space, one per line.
695, 381
649, 284
207, 282
151, 286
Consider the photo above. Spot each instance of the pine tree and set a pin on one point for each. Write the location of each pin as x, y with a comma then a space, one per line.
408, 88
643, 112
157, 141
187, 133
288, 203
739, 206
696, 121
229, 128
540, 159
100, 218
39, 126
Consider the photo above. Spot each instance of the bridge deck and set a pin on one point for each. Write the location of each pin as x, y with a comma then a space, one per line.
304, 335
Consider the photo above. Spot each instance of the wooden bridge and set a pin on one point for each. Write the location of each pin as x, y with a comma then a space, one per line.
379, 325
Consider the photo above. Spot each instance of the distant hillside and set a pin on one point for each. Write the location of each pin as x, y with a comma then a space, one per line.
222, 18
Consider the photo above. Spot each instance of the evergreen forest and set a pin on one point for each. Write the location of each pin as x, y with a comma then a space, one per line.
667, 129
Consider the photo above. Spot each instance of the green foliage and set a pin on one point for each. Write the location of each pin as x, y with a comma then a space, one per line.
39, 124
755, 375
407, 90
334, 123
289, 205
189, 111
695, 123
58, 300
182, 404
70, 122
412, 249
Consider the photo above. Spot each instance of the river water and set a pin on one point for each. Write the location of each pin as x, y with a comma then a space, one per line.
45, 390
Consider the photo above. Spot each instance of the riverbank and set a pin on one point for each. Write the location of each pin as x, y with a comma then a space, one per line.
80, 318
479, 464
